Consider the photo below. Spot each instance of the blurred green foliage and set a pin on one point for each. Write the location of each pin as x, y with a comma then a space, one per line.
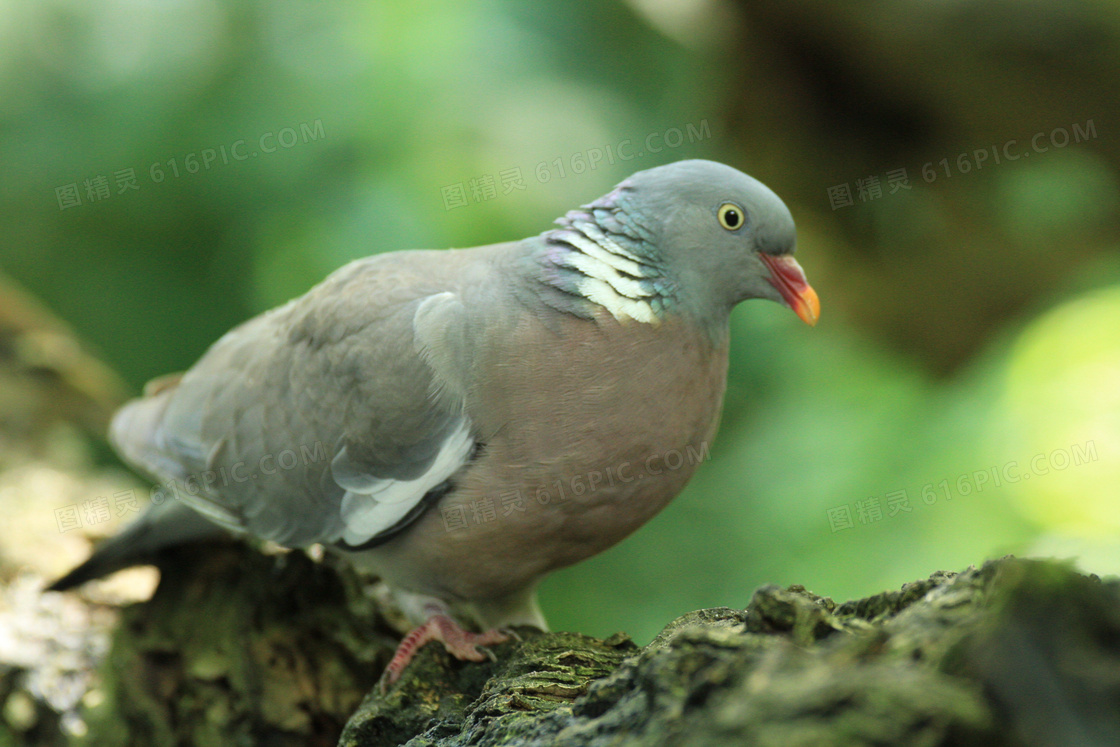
971, 319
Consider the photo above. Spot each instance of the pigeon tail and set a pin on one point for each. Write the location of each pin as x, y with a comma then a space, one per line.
162, 526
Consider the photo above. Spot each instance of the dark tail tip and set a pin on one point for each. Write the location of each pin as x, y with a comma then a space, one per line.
87, 571
115, 554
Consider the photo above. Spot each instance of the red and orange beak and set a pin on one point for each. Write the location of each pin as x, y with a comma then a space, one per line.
788, 277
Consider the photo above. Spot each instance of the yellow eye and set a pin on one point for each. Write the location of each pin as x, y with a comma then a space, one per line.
730, 216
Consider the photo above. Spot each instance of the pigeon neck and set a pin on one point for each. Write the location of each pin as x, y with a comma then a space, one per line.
595, 266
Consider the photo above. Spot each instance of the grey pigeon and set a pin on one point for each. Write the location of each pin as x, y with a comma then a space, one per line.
462, 422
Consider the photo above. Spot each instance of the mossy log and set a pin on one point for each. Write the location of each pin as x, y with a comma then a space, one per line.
247, 648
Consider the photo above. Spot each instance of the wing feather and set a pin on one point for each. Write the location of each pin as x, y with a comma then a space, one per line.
327, 419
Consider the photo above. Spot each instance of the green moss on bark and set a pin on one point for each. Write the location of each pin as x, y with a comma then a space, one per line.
238, 647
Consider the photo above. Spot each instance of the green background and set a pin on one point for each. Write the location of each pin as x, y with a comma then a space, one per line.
971, 318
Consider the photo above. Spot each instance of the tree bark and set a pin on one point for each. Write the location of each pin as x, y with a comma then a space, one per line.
238, 647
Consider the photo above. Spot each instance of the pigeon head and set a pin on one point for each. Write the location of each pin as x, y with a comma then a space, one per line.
693, 237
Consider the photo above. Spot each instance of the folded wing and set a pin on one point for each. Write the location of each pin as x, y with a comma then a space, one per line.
330, 419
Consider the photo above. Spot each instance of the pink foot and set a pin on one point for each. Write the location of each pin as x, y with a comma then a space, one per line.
462, 644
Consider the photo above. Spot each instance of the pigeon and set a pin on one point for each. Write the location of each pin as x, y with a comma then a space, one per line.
462, 422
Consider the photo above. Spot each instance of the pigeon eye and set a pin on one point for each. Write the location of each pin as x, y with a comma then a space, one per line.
730, 216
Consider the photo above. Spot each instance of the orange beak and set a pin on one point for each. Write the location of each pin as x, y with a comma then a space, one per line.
788, 277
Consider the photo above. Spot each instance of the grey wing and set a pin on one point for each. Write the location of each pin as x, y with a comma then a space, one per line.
329, 419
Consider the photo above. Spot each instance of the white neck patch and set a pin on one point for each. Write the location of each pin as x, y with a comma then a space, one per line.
609, 275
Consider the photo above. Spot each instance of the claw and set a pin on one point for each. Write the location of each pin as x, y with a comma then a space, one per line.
386, 679
460, 643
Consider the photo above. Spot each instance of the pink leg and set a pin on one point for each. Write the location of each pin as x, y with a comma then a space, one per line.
462, 644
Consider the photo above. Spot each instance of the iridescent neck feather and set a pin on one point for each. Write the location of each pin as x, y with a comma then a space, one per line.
602, 256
